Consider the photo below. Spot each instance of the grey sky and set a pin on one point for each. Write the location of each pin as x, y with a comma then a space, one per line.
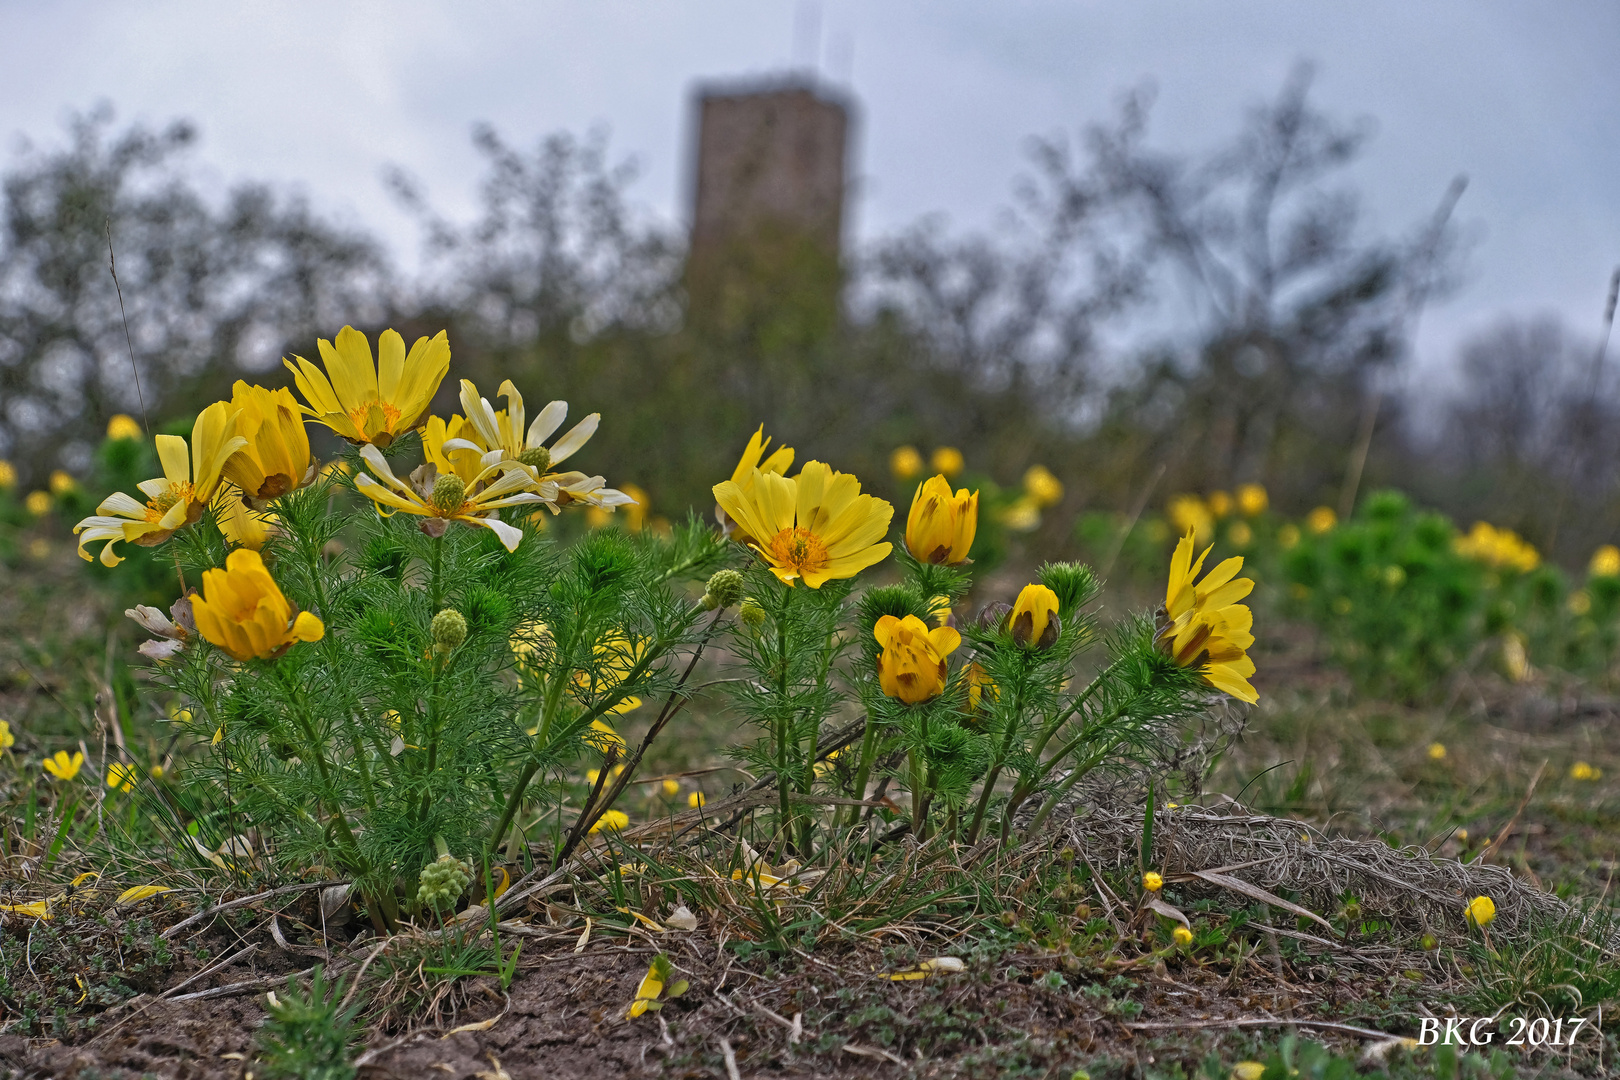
1520, 96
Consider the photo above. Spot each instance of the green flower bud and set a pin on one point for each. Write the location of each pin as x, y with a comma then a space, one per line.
449, 492
449, 629
537, 458
724, 589
443, 881
752, 613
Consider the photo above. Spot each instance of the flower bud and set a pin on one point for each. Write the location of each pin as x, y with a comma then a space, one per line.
1034, 622
442, 881
537, 458
752, 613
449, 492
449, 629
725, 588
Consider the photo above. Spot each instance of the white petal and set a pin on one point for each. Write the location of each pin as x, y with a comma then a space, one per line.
509, 535
565, 447
549, 420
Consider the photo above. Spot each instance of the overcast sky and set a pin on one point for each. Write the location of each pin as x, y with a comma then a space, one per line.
324, 94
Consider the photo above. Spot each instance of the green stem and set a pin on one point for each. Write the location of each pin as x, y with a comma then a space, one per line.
437, 588
1073, 778
1074, 707
784, 723
863, 771
1001, 757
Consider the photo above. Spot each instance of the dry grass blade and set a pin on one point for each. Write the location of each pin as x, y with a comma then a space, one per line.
1254, 892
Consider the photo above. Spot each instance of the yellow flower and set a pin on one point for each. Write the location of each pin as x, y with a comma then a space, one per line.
155, 772
8, 475
1288, 536
912, 664
121, 777
241, 526
672, 787
1501, 549
1321, 519
1033, 621
446, 497
62, 483
489, 431
1182, 936
753, 458
1248, 1070
1252, 499
602, 736
7, 739
652, 984
696, 800
1219, 503
276, 458
1204, 626
905, 463
612, 821
1481, 910
814, 528
1437, 751
1042, 486
38, 503
939, 610
1188, 514
947, 460
1579, 771
366, 403
1240, 534
615, 656
1152, 881
941, 526
123, 426
175, 499
63, 767
1605, 562
980, 685
1023, 514
243, 611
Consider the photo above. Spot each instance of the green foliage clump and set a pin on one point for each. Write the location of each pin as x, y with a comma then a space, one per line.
309, 1036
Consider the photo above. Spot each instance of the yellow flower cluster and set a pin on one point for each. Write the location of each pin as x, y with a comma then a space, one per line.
1500, 549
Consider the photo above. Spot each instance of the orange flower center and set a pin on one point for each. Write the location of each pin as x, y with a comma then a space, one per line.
374, 417
162, 504
799, 548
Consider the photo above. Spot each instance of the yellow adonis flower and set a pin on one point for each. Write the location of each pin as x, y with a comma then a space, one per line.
445, 497
121, 777
941, 526
239, 524
176, 498
63, 767
1321, 519
1605, 562
905, 463
753, 457
276, 458
1252, 499
62, 483
1481, 910
1152, 881
123, 426
7, 739
38, 503
489, 431
947, 460
1033, 621
615, 656
912, 664
611, 821
980, 686
815, 527
8, 475
243, 611
1202, 625
366, 403
1042, 486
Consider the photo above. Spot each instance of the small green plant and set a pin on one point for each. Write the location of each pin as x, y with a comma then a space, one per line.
309, 1036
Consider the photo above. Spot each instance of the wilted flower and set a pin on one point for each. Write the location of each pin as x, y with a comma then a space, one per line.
912, 664
1033, 621
276, 458
243, 611
815, 528
905, 463
172, 634
1252, 499
63, 767
947, 460
445, 497
366, 403
941, 526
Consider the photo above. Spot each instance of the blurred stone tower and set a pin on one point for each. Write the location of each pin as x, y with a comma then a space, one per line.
768, 205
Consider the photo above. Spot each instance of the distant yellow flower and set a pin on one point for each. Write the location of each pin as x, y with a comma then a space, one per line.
63, 767
1152, 881
276, 458
62, 483
1321, 519
8, 475
980, 685
7, 739
905, 463
1042, 486
490, 431
1605, 562
1288, 536
1023, 514
446, 497
155, 772
1188, 514
175, 499
1204, 626
615, 656
1252, 499
672, 787
612, 821
1500, 549
39, 503
121, 777
1033, 621
947, 460
1240, 534
123, 426
941, 526
1437, 751
372, 403
1583, 771
1248, 1070
1219, 503
1481, 910
243, 611
1515, 661
1182, 936
912, 664
815, 528
696, 800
